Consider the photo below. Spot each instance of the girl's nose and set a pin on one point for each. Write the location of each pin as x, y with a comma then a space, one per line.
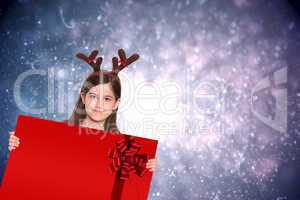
99, 105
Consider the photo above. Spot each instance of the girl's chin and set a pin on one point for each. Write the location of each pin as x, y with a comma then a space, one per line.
97, 119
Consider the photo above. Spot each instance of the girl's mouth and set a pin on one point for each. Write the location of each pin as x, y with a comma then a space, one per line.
97, 110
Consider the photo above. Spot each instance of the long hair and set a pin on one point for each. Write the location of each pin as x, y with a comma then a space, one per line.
94, 79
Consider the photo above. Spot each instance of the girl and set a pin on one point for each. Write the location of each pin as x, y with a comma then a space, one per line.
99, 98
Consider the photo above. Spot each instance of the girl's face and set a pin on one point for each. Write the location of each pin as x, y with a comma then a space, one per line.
100, 102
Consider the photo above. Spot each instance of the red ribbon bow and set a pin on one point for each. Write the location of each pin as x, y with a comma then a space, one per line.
126, 160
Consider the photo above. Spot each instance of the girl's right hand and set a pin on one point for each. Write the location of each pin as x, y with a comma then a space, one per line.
14, 141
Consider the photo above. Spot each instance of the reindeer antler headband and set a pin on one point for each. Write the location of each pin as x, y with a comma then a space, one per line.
118, 65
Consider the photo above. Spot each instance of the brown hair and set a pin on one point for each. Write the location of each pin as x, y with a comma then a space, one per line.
94, 79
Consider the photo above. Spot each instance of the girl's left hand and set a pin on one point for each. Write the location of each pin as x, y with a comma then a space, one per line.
152, 164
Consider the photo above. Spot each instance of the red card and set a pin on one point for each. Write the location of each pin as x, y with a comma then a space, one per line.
59, 161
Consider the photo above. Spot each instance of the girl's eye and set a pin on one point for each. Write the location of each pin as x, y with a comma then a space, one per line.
92, 96
107, 99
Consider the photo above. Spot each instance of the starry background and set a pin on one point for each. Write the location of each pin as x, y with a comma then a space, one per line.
208, 55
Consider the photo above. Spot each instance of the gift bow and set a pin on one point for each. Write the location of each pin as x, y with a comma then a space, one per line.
126, 160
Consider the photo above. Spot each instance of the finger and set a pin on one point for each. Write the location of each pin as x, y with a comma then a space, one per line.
11, 148
152, 161
11, 144
14, 137
14, 143
14, 140
152, 170
11, 132
150, 166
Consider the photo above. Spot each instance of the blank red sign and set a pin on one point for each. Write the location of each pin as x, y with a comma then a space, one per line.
59, 161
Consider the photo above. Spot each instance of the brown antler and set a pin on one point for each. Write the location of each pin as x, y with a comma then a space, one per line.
124, 62
91, 59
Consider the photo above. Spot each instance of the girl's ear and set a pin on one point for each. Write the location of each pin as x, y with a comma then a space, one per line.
82, 96
117, 104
